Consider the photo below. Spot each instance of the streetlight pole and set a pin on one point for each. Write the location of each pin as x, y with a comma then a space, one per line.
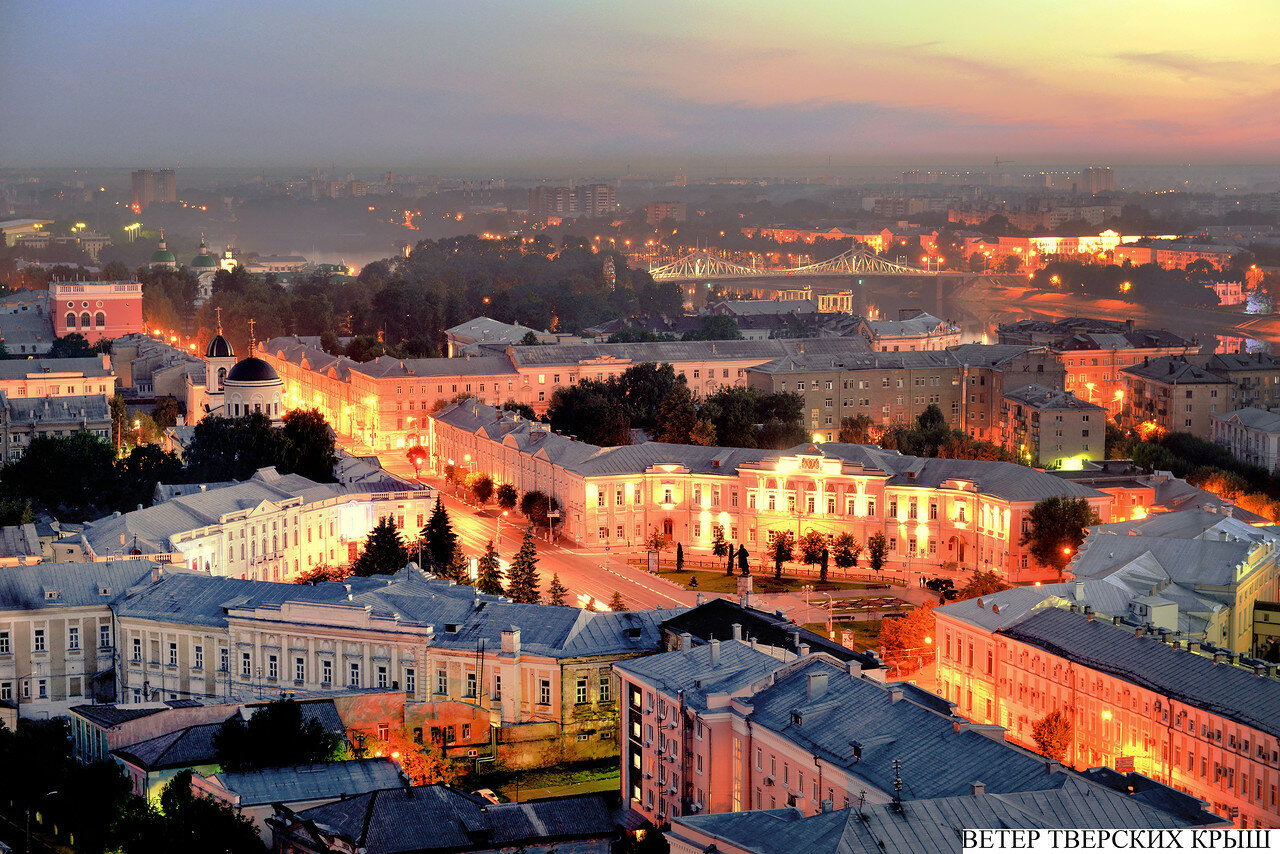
46, 795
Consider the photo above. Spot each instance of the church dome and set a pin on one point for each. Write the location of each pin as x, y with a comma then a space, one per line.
252, 370
163, 256
204, 260
219, 348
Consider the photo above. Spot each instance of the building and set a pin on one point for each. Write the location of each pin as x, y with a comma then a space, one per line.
1194, 722
264, 264
149, 368
22, 419
970, 512
152, 763
465, 337
1096, 352
162, 258
151, 186
57, 641
205, 267
658, 212
1031, 412
20, 544
595, 199
1255, 376
1175, 396
96, 310
25, 326
53, 378
440, 818
271, 527
13, 229
550, 201
526, 684
723, 727
913, 330
1252, 435
932, 825
256, 795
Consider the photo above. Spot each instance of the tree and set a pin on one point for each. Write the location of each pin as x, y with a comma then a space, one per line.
489, 572
522, 578
656, 541
1053, 735
537, 507
908, 640
981, 583
783, 550
557, 591
72, 475
234, 448
677, 416
679, 557
441, 541
482, 488
703, 433
616, 603
1056, 528
309, 445
458, 569
321, 572
278, 734
417, 456
73, 345
384, 552
524, 410
167, 411
812, 545
824, 562
877, 550
507, 496
530, 339
719, 547
198, 825
856, 430
845, 550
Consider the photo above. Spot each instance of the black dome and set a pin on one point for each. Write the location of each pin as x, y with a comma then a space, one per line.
219, 348
252, 370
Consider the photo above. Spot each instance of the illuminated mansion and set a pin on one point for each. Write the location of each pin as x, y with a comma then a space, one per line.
930, 510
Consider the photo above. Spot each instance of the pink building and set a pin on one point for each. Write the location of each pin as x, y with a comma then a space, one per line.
1135, 701
96, 309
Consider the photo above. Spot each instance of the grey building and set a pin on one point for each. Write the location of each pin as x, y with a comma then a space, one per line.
23, 419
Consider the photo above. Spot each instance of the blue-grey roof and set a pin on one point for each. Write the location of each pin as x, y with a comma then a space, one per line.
441, 818
308, 782
571, 355
184, 748
717, 617
692, 672
88, 366
1232, 692
1251, 418
932, 825
1212, 563
69, 585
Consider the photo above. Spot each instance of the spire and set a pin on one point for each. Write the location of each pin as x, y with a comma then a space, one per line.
162, 246
251, 341
218, 312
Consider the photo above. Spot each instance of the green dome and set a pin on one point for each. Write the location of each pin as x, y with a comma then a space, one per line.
163, 256
204, 260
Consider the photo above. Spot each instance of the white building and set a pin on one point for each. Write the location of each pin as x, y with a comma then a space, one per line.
1250, 434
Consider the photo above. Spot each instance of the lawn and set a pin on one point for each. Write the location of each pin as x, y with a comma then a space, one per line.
578, 774
866, 633
717, 582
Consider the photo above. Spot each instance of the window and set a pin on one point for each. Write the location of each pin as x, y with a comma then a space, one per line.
410, 681
353, 675
224, 662
581, 694
326, 672
471, 685
42, 689
382, 676
497, 687
246, 664
442, 682
73, 637
197, 657
606, 687
273, 667
4, 643
38, 642
104, 635
544, 692
6, 691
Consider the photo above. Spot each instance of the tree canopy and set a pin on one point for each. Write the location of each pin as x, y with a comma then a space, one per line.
276, 735
384, 552
522, 577
1056, 528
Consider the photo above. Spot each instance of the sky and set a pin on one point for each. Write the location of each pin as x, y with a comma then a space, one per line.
381, 82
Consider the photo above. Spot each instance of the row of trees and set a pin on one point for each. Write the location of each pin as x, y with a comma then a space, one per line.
928, 436
82, 477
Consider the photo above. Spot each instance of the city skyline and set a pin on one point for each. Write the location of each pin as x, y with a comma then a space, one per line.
752, 83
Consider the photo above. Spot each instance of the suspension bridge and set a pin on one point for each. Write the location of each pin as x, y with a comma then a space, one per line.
701, 264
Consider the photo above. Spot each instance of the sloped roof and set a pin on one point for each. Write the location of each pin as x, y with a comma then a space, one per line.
1251, 418
70, 585
921, 325
1189, 562
810, 362
88, 366
716, 618
691, 670
1174, 371
569, 355
308, 782
182, 748
1232, 692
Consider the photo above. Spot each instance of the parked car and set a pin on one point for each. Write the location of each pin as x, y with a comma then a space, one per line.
939, 584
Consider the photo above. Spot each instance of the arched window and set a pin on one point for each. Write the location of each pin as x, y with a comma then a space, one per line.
222, 376
71, 320
100, 320
84, 320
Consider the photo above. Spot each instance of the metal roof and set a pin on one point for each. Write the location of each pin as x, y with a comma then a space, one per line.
70, 585
308, 782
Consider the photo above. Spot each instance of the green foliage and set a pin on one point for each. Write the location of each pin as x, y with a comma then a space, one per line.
856, 430
441, 541
877, 551
812, 544
845, 550
233, 448
1053, 735
167, 411
320, 573
981, 583
73, 345
679, 557
782, 549
719, 547
522, 577
506, 496
556, 592
489, 572
384, 551
715, 327
616, 602
1057, 527
199, 825
276, 735
68, 475
677, 416
309, 448
524, 410
536, 505
590, 412
481, 486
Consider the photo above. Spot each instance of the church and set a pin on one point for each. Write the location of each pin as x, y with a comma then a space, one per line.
233, 389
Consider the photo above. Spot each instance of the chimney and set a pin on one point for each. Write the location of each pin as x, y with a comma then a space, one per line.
1217, 658
1079, 591
1052, 767
686, 641
825, 805
737, 631
895, 694
977, 787
1088, 612
804, 650
855, 669
715, 653
795, 639
1259, 670
1193, 646
1137, 633
816, 686
698, 600
511, 640
1115, 621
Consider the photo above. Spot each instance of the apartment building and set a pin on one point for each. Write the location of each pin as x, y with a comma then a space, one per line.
971, 512
1138, 702
1052, 428
24, 419
42, 377
1175, 396
1252, 435
270, 527
913, 330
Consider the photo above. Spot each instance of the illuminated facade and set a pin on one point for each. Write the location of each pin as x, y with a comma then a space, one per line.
96, 309
1052, 428
1136, 702
929, 510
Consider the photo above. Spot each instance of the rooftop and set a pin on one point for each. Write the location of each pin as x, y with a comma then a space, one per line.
69, 585
183, 748
1251, 418
1049, 400
298, 783
568, 355
87, 366
1175, 371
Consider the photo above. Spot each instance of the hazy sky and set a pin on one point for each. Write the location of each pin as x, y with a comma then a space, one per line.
122, 83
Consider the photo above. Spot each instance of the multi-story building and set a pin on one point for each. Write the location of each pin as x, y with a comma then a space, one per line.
1175, 396
22, 419
529, 684
550, 201
1252, 435
595, 199
1255, 376
913, 330
154, 185
52, 378
57, 632
726, 727
1136, 702
96, 309
270, 527
1096, 352
1052, 428
970, 512
657, 212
